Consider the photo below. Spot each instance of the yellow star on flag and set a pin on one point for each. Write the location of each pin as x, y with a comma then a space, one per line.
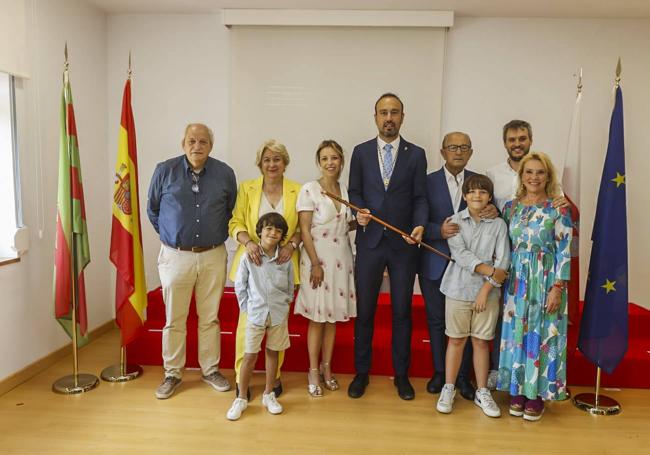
619, 180
609, 286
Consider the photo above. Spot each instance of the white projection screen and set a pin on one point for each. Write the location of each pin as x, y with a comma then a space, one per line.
301, 85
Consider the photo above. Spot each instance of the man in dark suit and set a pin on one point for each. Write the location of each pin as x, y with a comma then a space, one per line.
444, 198
387, 179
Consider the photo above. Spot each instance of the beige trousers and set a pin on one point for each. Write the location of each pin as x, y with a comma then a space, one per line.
182, 272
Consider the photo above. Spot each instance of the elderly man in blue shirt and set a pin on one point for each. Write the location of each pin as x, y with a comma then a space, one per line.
191, 198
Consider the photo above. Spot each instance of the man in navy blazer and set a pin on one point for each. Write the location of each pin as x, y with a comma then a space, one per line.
444, 198
387, 179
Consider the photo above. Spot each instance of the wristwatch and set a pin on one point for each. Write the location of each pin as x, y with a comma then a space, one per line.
293, 244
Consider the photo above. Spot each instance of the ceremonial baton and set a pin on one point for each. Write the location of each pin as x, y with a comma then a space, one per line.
388, 226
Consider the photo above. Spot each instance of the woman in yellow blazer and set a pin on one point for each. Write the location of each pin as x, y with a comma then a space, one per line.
270, 192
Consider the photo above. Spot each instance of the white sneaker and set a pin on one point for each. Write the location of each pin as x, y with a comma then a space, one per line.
484, 400
492, 379
271, 403
446, 400
235, 411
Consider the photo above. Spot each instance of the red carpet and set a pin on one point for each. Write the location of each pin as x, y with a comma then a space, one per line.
633, 372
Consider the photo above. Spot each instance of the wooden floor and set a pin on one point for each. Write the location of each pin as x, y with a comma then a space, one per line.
127, 418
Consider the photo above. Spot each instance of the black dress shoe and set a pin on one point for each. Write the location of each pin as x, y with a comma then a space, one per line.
436, 383
466, 389
248, 392
278, 389
404, 387
358, 385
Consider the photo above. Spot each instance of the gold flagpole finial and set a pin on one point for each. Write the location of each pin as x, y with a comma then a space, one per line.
579, 76
66, 63
129, 72
618, 72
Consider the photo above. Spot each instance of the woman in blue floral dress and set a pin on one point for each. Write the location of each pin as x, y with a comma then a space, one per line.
532, 363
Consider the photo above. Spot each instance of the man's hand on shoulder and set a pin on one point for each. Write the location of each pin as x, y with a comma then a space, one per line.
448, 229
490, 212
561, 202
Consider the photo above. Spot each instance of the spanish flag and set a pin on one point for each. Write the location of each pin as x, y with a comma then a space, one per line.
126, 233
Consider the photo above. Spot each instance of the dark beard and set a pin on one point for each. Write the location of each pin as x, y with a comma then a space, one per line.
390, 133
518, 158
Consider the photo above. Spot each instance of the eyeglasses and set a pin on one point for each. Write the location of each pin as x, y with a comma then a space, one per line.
459, 148
195, 183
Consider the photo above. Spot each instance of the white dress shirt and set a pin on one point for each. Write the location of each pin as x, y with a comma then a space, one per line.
455, 185
504, 178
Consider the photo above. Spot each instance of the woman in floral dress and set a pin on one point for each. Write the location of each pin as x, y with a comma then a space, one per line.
532, 363
327, 293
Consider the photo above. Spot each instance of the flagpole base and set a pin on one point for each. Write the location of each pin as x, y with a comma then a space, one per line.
66, 385
114, 373
606, 406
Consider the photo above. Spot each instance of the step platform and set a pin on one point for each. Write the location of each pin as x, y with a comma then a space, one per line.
633, 372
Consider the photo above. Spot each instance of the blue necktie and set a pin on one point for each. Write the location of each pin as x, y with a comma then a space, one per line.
388, 163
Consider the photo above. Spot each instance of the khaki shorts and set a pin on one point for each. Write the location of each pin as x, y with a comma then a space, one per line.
277, 336
462, 321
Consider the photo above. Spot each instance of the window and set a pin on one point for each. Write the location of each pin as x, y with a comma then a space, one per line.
10, 218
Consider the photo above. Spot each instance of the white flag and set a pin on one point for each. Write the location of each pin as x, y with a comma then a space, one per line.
571, 171
571, 187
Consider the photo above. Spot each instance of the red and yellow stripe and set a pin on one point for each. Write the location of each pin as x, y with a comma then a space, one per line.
126, 233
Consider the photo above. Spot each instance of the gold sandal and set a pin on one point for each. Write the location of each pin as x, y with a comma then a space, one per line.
314, 390
330, 384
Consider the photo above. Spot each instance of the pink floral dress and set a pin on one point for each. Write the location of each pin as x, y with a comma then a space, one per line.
335, 300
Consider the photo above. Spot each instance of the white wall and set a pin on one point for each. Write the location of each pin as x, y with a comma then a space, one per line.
28, 330
496, 70
180, 75
500, 69
301, 85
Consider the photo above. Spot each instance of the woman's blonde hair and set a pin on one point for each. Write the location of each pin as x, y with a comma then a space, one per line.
552, 187
274, 146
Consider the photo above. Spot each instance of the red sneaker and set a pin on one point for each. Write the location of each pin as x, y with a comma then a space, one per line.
517, 405
534, 409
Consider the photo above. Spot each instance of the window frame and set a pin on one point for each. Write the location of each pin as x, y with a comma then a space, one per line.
14, 151
15, 167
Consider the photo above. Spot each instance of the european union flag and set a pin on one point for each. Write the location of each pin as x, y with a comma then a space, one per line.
603, 333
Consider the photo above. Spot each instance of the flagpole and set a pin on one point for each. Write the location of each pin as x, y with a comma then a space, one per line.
76, 382
569, 300
595, 403
122, 372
